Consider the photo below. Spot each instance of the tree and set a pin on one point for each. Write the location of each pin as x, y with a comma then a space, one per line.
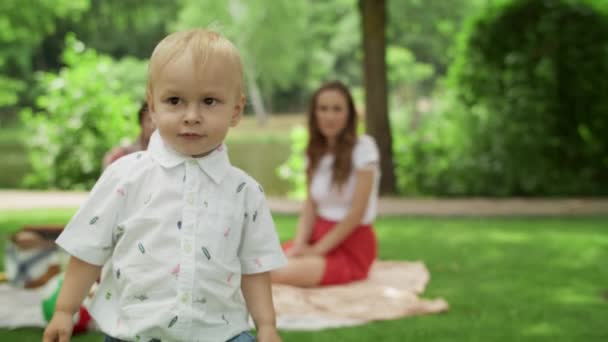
373, 15
24, 26
268, 34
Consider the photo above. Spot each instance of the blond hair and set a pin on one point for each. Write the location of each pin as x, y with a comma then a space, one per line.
201, 43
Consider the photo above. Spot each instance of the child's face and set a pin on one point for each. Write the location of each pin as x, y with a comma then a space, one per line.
331, 111
194, 110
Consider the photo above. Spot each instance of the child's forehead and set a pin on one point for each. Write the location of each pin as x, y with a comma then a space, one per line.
211, 70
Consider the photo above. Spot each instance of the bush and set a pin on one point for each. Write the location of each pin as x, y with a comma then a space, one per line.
533, 77
86, 108
294, 168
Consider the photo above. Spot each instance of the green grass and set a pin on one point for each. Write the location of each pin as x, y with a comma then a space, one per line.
513, 279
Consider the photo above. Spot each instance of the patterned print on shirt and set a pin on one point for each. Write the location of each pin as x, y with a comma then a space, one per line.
173, 321
229, 279
224, 318
141, 248
148, 199
206, 252
258, 263
206, 204
93, 220
255, 215
179, 224
138, 155
118, 273
175, 271
261, 189
227, 232
201, 300
241, 186
108, 295
121, 191
119, 231
142, 297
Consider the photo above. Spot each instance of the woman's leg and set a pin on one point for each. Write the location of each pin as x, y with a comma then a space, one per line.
306, 271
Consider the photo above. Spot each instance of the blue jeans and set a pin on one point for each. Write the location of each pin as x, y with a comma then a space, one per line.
245, 336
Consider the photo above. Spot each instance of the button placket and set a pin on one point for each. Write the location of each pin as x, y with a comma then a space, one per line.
189, 221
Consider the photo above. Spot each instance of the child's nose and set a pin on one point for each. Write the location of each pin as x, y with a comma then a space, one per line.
192, 115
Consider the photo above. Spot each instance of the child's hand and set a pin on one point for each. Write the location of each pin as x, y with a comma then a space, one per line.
267, 334
59, 328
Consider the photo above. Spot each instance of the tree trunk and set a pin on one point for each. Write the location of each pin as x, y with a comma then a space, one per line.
257, 101
373, 18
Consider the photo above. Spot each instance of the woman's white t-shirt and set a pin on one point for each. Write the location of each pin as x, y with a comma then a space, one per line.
334, 204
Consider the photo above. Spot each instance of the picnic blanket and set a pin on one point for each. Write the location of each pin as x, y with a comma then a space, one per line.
391, 292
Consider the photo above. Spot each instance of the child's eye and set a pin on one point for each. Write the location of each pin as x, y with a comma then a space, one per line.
174, 100
209, 101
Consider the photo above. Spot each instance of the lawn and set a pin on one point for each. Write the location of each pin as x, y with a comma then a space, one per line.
506, 279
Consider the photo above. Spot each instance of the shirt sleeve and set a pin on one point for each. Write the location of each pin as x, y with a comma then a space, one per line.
88, 235
365, 152
260, 249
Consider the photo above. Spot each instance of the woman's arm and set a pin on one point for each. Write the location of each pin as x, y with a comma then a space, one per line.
364, 182
305, 222
257, 292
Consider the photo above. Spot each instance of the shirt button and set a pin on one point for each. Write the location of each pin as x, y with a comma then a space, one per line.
190, 198
188, 248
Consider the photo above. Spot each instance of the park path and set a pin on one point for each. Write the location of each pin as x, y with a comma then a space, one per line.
22, 200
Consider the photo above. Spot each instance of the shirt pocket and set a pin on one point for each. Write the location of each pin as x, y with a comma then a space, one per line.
219, 278
220, 233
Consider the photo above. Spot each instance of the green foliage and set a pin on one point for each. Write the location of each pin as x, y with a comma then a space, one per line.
428, 28
294, 168
433, 158
124, 27
85, 109
533, 77
23, 25
262, 31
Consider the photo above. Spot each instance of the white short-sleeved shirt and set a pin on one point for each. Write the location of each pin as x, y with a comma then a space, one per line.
334, 204
175, 235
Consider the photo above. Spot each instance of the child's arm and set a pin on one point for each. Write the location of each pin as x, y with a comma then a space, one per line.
78, 279
258, 296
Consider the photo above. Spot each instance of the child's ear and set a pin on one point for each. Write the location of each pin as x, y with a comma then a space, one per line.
151, 108
238, 111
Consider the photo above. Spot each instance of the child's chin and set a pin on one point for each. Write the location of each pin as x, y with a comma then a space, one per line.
198, 153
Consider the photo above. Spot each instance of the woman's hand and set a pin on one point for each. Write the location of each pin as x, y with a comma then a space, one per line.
301, 250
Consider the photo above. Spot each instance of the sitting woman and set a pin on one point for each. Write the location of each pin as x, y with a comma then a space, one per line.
146, 128
335, 242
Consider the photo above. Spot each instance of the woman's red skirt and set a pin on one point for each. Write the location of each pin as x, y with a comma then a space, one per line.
349, 261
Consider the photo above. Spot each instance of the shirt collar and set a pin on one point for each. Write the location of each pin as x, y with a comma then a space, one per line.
216, 164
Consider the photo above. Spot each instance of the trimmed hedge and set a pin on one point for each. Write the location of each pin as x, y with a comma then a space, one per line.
533, 78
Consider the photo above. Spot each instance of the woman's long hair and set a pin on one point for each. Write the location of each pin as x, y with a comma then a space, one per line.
345, 141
